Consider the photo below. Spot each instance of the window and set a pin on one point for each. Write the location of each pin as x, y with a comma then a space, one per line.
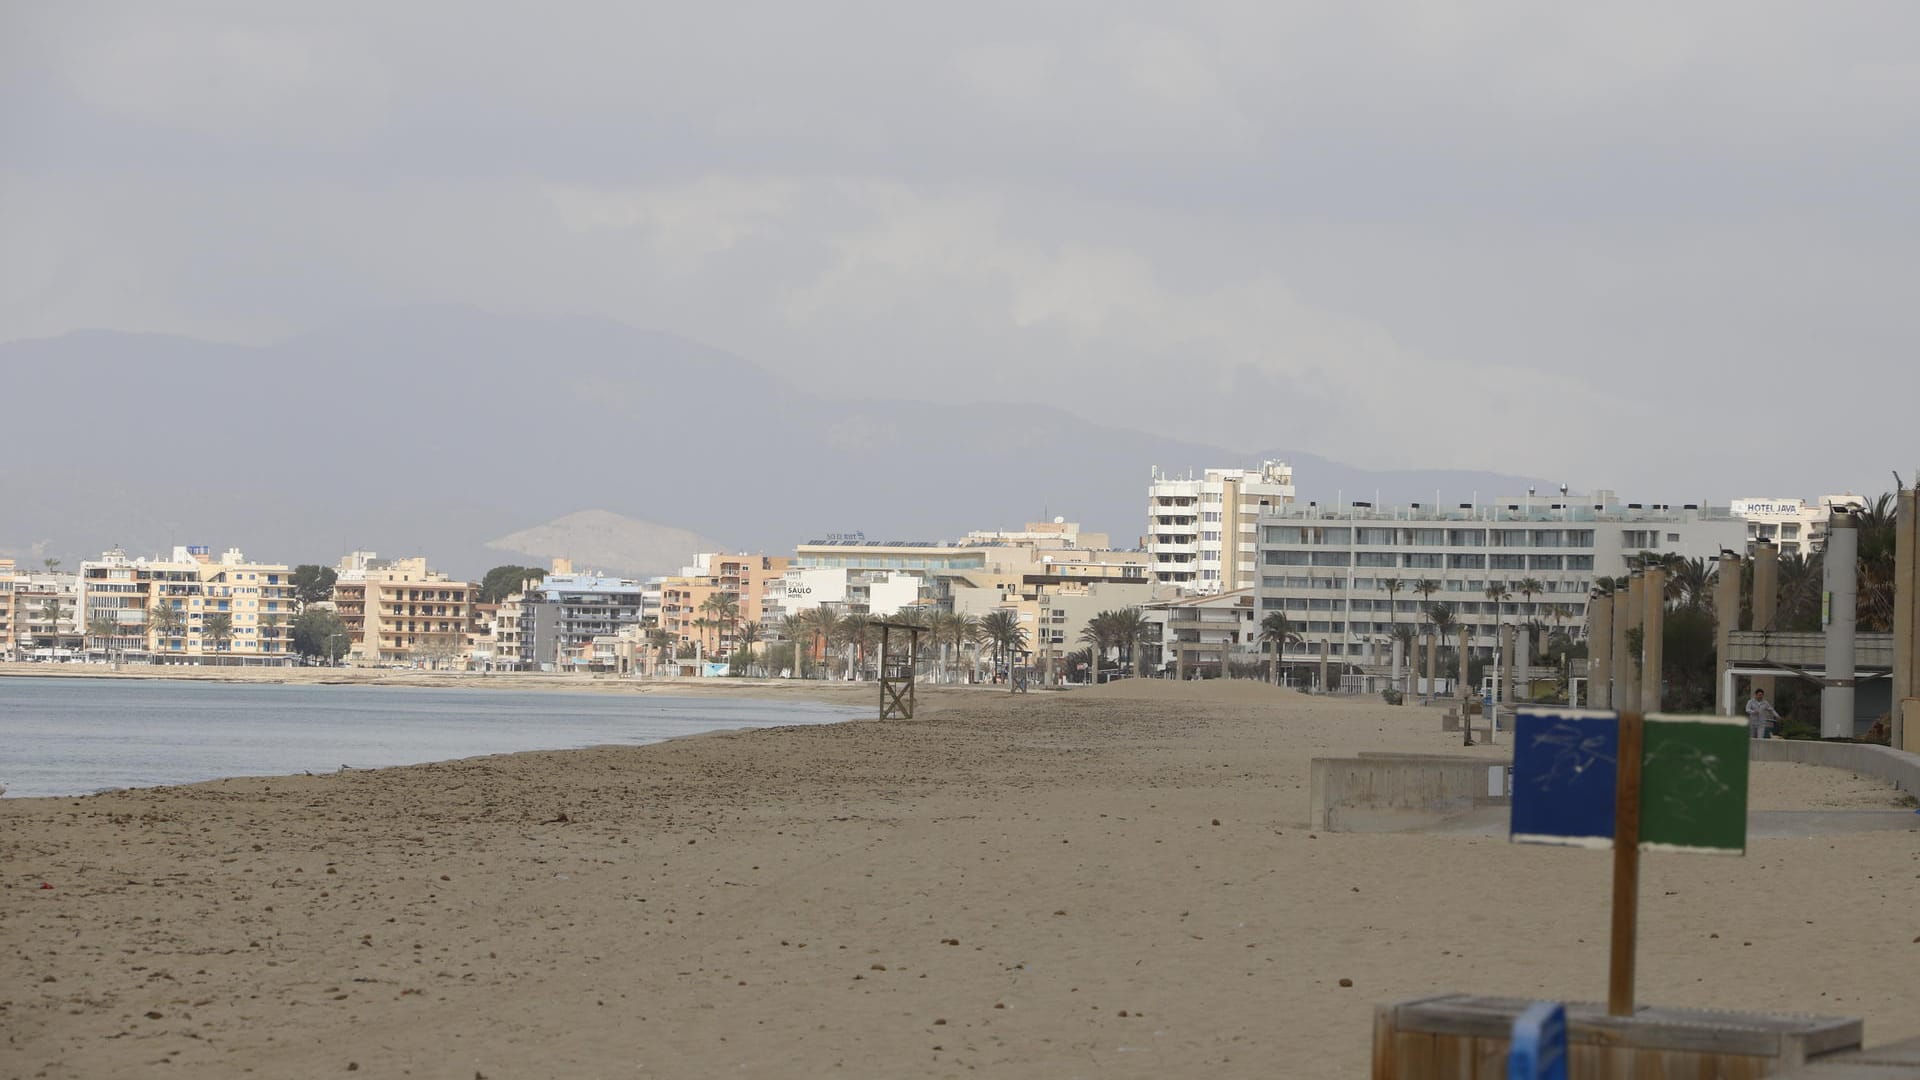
1673, 538
1375, 537
1376, 558
1466, 537
1466, 562
1507, 562
1283, 534
1330, 558
1419, 561
1287, 558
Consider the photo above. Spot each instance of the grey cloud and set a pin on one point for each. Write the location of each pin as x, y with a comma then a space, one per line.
1394, 232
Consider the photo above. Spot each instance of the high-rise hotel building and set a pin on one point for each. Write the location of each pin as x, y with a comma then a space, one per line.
1203, 532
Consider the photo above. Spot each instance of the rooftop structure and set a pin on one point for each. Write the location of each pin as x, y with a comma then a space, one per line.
1795, 526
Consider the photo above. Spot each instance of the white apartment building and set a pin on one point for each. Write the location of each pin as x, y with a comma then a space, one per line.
1202, 532
1795, 526
1329, 568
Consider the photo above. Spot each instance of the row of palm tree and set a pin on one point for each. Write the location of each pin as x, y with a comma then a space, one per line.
1125, 630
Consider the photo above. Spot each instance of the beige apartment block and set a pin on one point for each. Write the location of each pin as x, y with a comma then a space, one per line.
402, 611
748, 579
220, 609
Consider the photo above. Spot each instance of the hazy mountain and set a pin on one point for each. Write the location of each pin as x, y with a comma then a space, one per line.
432, 430
602, 540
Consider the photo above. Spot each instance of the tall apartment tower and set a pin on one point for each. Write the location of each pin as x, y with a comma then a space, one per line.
1203, 532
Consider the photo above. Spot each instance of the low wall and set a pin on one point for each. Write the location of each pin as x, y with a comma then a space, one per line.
1897, 767
1460, 1035
1387, 792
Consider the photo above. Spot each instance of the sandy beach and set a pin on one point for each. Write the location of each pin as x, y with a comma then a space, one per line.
1115, 882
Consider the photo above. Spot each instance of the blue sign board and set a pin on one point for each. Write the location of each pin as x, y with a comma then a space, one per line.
1565, 766
1539, 1048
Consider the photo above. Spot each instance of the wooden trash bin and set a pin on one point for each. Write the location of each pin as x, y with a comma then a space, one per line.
1464, 1037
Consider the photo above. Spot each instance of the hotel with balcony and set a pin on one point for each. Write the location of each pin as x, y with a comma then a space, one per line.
191, 607
1347, 575
26, 602
402, 611
1203, 532
755, 583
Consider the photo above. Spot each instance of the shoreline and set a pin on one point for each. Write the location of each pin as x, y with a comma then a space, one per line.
1114, 882
821, 690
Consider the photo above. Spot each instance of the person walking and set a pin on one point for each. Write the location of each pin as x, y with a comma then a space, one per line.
1761, 717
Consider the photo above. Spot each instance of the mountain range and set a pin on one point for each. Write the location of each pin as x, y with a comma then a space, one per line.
477, 438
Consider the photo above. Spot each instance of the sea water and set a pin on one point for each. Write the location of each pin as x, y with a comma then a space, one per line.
74, 736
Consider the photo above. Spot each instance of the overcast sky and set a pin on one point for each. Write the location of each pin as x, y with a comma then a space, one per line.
1621, 244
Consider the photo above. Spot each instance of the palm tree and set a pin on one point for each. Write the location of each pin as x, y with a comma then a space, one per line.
662, 642
1132, 629
270, 633
1692, 583
746, 637
856, 633
51, 613
219, 630
792, 629
1800, 590
1098, 634
1002, 627
1392, 585
1276, 634
966, 631
822, 624
166, 622
723, 612
1528, 589
700, 626
1874, 530
101, 628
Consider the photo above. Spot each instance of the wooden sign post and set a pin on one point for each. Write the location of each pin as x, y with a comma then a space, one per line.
1626, 868
1592, 779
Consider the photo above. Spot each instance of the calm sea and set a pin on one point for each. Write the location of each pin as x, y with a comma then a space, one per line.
75, 736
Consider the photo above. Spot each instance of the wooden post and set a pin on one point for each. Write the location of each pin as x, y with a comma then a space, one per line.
884, 710
1626, 867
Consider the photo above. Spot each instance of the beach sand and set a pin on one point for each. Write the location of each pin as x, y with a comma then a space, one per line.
1115, 882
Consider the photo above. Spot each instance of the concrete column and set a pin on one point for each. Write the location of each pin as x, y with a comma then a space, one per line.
1323, 665
1653, 622
1521, 688
1179, 663
1503, 680
1433, 662
1622, 663
1766, 601
1626, 666
1841, 571
1465, 691
1600, 650
1726, 619
1906, 612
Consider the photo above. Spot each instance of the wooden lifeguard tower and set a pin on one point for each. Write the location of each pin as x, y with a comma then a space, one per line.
897, 669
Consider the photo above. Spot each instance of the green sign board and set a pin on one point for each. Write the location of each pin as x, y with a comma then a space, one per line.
1693, 784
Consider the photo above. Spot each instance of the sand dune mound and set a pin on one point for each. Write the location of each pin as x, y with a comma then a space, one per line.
1220, 691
